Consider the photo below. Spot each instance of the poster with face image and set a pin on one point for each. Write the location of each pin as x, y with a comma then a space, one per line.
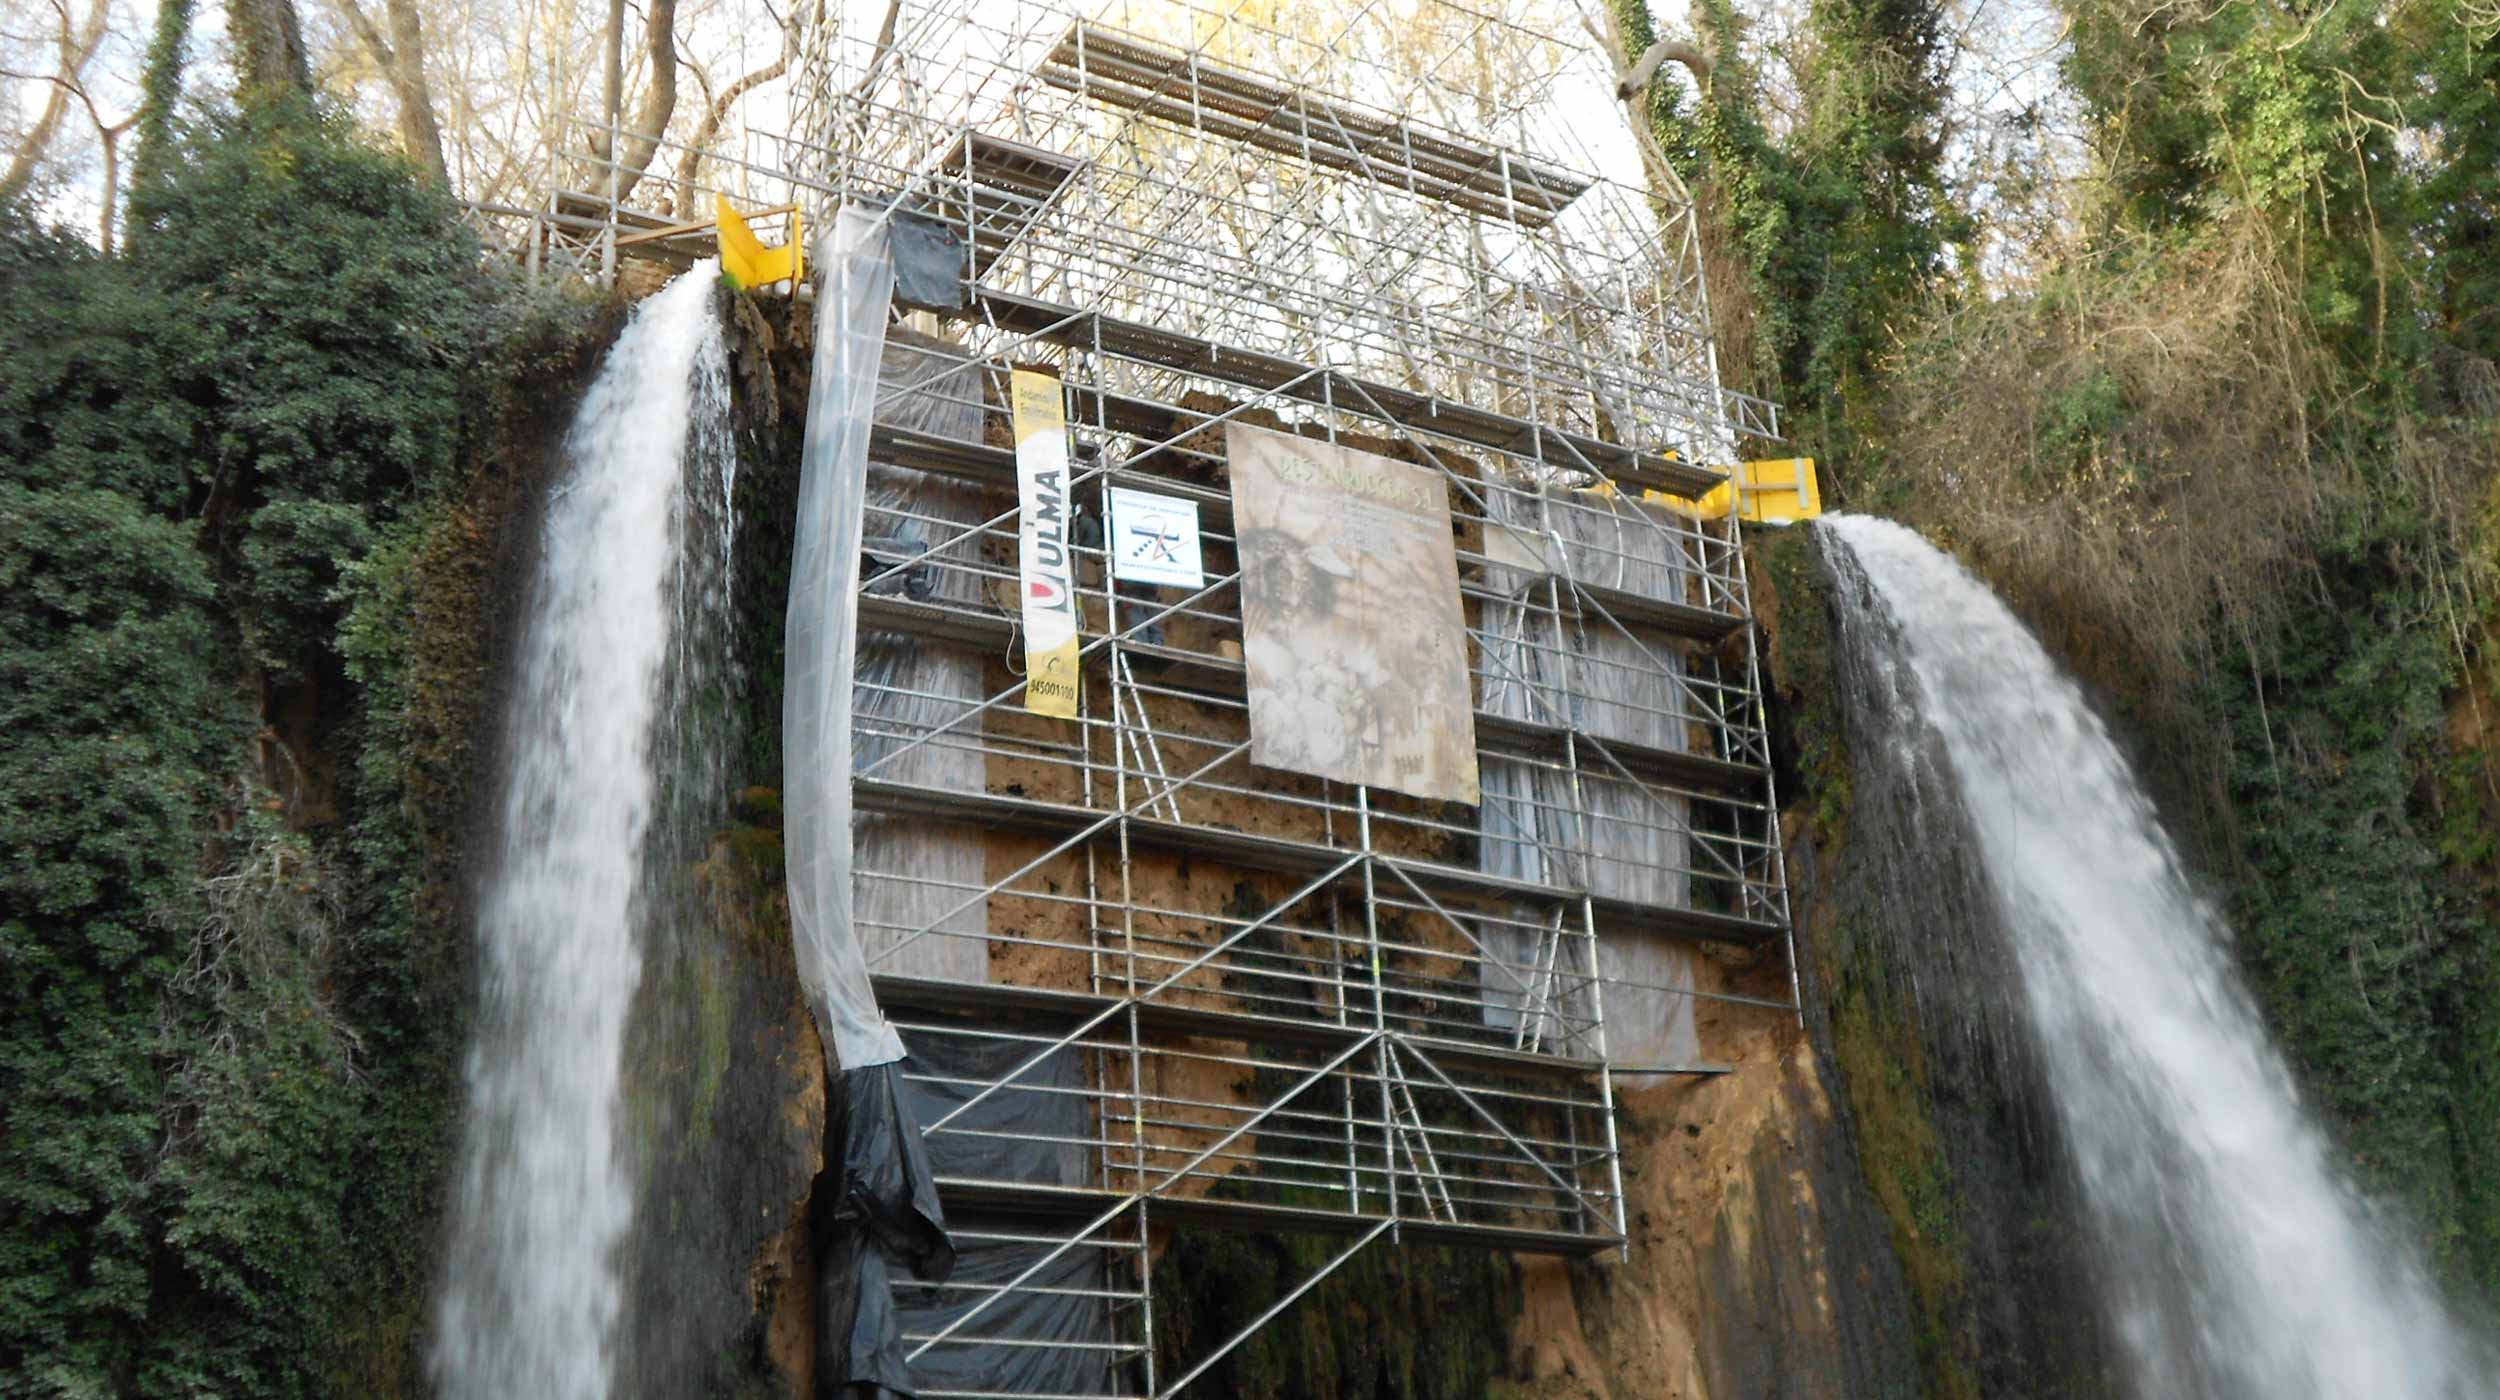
1351, 628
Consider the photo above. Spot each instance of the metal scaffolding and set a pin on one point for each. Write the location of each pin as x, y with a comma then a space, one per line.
1240, 998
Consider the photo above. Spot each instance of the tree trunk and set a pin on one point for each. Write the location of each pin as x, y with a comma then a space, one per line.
110, 138
659, 100
401, 57
160, 92
269, 48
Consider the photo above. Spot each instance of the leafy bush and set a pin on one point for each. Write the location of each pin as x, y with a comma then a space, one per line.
227, 1024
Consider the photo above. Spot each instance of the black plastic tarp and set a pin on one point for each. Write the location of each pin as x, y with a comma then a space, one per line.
887, 1249
1063, 1337
885, 1217
1032, 1131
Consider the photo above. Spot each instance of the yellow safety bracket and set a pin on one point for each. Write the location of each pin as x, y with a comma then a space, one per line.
1781, 491
744, 257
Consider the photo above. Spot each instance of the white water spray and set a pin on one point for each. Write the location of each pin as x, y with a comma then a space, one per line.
2237, 1264
532, 1293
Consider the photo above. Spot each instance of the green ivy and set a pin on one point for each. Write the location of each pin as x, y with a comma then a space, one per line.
244, 549
1840, 220
2373, 961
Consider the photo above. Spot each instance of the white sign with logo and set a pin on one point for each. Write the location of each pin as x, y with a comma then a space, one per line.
1154, 539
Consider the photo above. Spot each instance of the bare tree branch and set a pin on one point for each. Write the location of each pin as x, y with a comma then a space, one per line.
1637, 81
691, 163
75, 49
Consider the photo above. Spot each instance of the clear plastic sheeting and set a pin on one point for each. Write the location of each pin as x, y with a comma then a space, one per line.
918, 910
1616, 837
931, 268
821, 643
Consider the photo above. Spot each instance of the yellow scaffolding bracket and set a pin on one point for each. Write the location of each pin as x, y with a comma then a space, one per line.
1781, 491
744, 257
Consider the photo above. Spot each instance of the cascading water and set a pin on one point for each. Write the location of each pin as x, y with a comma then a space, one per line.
2234, 1262
631, 559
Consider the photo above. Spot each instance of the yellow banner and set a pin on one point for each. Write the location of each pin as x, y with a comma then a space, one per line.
1046, 570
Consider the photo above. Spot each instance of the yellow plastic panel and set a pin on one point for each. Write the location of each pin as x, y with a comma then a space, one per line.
745, 258
1782, 491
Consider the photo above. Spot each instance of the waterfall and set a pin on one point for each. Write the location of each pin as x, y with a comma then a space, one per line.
632, 559
2234, 1262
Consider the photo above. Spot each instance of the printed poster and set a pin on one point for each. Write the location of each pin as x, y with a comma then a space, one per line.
1044, 568
1154, 539
1351, 626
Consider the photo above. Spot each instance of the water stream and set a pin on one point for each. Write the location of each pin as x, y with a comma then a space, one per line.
2234, 1262
633, 540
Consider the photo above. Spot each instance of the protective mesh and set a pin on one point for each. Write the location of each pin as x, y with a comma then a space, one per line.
821, 644
1621, 839
919, 909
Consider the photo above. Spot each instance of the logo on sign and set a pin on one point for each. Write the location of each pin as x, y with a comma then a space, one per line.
1153, 539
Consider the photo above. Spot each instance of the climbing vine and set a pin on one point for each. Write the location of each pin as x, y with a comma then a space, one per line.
245, 497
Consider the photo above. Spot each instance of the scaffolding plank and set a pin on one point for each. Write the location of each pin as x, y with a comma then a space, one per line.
991, 999
1284, 856
1221, 678
1143, 418
1641, 610
1629, 467
1190, 91
1224, 678
1259, 1217
969, 463
995, 466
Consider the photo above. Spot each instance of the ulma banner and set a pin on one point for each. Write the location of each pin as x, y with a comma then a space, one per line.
1046, 573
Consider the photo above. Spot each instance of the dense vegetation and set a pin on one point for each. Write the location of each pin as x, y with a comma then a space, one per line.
2225, 432
244, 543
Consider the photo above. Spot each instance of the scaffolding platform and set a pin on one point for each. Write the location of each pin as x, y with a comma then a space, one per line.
1252, 1217
1254, 851
1257, 373
1148, 985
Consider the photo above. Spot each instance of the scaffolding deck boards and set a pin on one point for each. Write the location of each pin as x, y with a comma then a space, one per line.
1223, 678
1284, 856
1191, 92
932, 994
1076, 1203
1631, 468
996, 466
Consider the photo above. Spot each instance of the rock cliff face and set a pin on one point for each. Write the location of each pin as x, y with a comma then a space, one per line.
728, 1096
1759, 1265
